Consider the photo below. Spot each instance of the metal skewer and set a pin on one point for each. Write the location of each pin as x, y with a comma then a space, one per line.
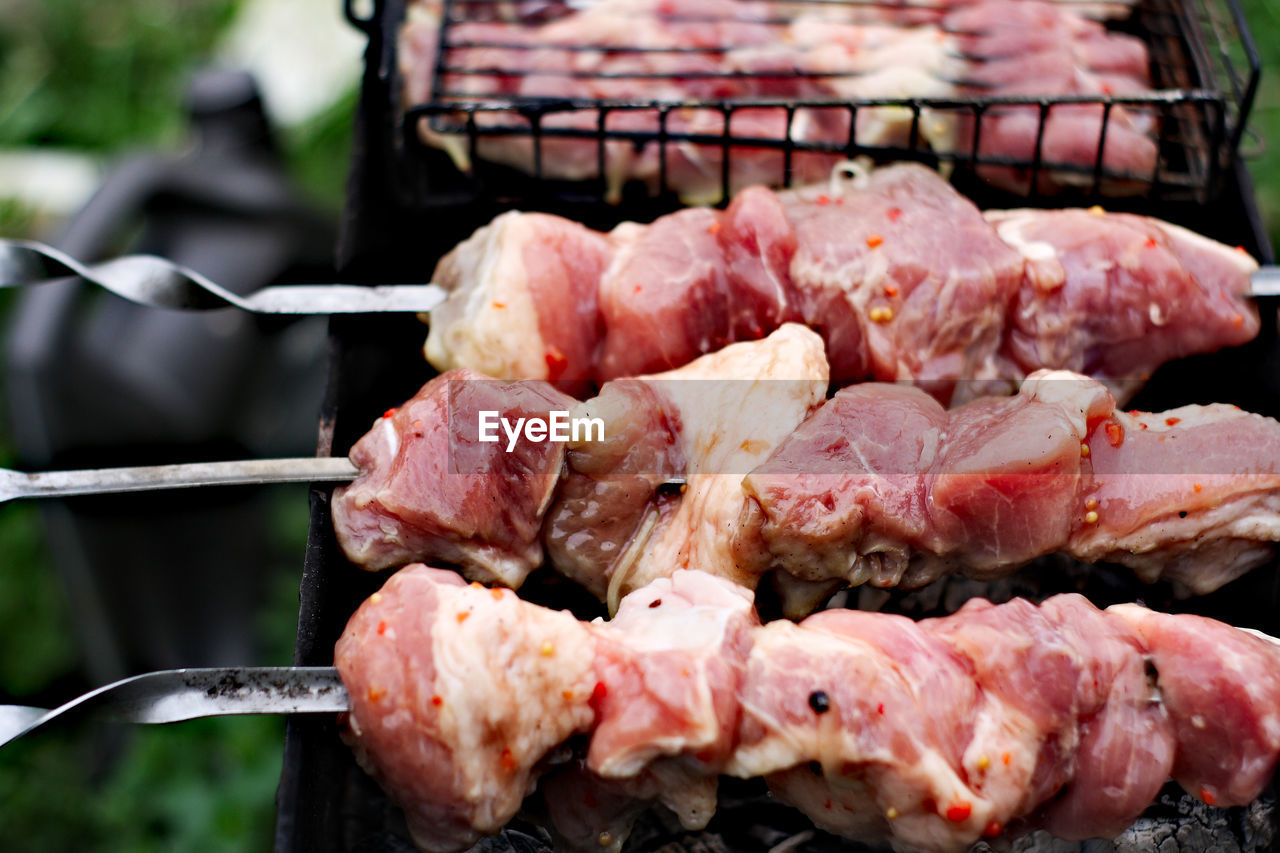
94, 481
1265, 282
174, 695
160, 283
147, 478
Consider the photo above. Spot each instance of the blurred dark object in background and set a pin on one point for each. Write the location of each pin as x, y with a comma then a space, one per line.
169, 580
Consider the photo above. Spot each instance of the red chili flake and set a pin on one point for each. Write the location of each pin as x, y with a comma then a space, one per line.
1172, 421
637, 289
462, 617
874, 240
992, 829
507, 760
375, 694
1115, 434
1106, 89
880, 709
824, 199
895, 213
839, 200
1197, 487
827, 804
496, 593
1143, 425
1237, 320
1242, 250
959, 811
556, 363
890, 290
568, 695
1135, 412
382, 628
499, 305
1151, 243
437, 701
1006, 758
1207, 796
391, 413
589, 800
597, 696
713, 228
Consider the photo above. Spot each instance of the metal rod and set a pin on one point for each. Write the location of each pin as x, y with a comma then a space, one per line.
174, 695
161, 283
1266, 283
94, 481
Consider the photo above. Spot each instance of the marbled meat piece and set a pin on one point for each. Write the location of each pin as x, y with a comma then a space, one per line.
1224, 705
664, 299
883, 486
523, 300
708, 422
902, 277
1115, 295
1191, 495
429, 489
457, 693
673, 661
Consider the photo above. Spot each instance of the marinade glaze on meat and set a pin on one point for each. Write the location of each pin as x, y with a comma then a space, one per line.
995, 720
904, 278
879, 484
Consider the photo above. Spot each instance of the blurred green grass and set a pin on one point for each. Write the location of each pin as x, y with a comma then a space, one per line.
1264, 22
99, 75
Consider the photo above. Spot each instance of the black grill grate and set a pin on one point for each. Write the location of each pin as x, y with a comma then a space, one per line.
1203, 63
405, 209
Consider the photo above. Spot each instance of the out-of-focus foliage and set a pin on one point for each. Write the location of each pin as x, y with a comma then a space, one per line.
93, 74
206, 785
103, 76
1264, 22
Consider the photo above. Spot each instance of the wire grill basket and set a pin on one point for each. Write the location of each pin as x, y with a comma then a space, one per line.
1203, 65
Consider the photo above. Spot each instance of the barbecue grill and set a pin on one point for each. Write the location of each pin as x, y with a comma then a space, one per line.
407, 205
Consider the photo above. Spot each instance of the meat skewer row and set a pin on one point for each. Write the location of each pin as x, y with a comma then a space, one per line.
996, 720
877, 485
904, 279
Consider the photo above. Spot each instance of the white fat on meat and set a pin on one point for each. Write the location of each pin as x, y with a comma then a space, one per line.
469, 328
1191, 495
459, 751
673, 660
522, 301
734, 407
